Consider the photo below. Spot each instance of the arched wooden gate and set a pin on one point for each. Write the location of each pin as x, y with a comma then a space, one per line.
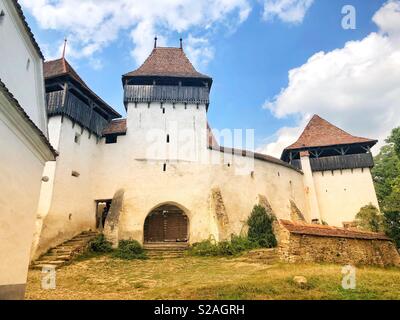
166, 223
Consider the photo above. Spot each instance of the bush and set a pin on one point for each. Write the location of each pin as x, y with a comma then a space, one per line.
369, 218
261, 228
100, 244
210, 247
129, 249
392, 226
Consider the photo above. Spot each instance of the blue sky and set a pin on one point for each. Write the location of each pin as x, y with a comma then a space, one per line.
248, 55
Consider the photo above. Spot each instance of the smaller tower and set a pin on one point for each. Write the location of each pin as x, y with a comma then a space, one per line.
336, 167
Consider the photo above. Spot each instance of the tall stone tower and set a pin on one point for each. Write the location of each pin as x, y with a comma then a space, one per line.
167, 101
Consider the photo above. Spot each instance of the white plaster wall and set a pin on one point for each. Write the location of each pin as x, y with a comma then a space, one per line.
20, 178
24, 82
187, 181
343, 193
67, 205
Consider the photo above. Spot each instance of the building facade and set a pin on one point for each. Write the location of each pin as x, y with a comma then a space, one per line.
160, 176
23, 132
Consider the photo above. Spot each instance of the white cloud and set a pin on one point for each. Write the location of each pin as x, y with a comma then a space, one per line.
355, 87
291, 11
92, 25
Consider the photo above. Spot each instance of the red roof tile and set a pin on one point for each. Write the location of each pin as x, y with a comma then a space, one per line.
321, 133
61, 67
117, 126
171, 62
328, 231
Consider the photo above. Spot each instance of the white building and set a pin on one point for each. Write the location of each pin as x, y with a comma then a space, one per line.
24, 145
165, 176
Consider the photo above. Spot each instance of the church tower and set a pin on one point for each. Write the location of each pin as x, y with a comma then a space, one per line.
167, 101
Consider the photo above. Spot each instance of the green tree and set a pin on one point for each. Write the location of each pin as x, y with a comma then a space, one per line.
392, 225
369, 218
261, 227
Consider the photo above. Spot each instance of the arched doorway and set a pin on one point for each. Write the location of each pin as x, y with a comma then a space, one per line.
166, 223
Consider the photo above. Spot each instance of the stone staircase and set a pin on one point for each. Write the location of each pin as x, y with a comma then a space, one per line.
165, 250
265, 256
65, 252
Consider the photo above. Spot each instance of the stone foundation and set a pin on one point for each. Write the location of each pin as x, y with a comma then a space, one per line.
303, 243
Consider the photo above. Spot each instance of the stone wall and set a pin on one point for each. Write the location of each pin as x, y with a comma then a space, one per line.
302, 243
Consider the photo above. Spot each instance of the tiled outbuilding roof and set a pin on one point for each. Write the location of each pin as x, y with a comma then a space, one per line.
116, 126
9, 96
28, 30
321, 133
61, 67
328, 231
171, 62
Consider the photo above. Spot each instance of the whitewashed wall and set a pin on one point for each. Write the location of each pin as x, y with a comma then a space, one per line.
342, 193
21, 67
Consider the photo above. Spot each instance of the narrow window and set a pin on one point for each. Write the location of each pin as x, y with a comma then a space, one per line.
163, 110
75, 174
77, 138
28, 64
167, 138
165, 167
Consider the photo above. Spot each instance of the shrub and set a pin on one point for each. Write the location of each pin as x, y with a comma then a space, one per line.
209, 247
100, 244
261, 228
369, 218
392, 226
129, 249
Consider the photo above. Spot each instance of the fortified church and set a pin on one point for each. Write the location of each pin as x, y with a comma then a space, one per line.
159, 174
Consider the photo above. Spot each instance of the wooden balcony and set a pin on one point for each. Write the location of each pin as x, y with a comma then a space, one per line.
350, 161
171, 94
78, 111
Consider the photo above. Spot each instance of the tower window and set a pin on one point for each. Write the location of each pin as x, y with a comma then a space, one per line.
167, 138
111, 139
77, 138
165, 167
163, 110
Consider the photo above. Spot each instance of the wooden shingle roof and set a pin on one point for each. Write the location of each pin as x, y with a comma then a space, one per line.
321, 133
61, 67
116, 126
170, 62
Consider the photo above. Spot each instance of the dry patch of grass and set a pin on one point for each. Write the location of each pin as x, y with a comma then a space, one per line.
103, 277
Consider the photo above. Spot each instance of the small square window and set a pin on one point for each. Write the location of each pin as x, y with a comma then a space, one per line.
111, 139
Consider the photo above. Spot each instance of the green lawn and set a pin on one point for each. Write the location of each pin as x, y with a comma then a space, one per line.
209, 278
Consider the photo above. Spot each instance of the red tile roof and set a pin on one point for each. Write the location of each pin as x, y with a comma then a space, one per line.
9, 96
117, 126
328, 231
61, 67
171, 62
321, 133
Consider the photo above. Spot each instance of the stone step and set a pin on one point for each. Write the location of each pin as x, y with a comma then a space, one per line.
66, 251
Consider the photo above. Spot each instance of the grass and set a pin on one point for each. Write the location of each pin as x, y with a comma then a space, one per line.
105, 277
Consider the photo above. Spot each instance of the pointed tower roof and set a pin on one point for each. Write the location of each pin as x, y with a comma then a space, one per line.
60, 67
167, 62
321, 133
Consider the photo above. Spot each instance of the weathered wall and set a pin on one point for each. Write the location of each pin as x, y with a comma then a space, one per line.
21, 66
297, 248
21, 169
67, 203
342, 193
